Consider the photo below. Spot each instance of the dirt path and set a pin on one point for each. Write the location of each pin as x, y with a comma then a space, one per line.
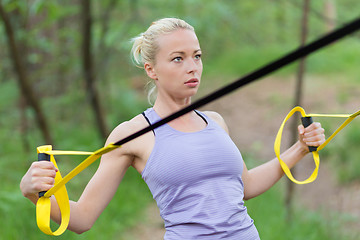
253, 115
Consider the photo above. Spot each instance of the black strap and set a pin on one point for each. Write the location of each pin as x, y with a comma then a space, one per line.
147, 119
261, 72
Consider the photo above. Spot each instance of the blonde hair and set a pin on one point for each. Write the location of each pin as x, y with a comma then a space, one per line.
145, 46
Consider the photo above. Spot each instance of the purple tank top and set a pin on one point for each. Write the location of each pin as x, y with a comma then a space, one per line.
195, 179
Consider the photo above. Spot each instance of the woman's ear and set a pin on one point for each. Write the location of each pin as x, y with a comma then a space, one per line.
150, 71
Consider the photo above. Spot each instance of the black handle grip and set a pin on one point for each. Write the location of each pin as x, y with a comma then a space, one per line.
307, 121
43, 157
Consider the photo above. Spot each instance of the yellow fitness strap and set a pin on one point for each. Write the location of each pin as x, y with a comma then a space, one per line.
43, 205
316, 157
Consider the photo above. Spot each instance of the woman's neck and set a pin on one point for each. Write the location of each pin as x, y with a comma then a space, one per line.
165, 107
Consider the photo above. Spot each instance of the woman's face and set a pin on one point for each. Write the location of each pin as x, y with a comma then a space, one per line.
178, 66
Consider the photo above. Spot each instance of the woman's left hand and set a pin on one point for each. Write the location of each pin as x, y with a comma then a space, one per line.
313, 135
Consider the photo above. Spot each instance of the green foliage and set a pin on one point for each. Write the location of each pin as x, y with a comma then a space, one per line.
341, 57
343, 153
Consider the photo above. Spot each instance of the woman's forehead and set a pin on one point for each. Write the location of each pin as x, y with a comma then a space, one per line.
178, 41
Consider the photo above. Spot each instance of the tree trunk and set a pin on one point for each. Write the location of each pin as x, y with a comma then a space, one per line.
23, 81
330, 14
297, 101
104, 51
88, 69
24, 124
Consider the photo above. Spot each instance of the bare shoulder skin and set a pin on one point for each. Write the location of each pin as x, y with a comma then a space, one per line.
218, 119
139, 149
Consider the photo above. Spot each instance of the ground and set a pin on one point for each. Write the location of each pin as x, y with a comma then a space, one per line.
254, 114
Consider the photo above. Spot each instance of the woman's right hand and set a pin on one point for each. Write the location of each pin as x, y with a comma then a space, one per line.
39, 177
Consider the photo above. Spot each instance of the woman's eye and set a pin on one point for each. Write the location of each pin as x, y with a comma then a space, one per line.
197, 56
177, 59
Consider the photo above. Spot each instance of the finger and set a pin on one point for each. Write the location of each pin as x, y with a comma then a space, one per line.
44, 165
42, 187
43, 172
314, 136
313, 126
42, 183
49, 181
315, 140
301, 129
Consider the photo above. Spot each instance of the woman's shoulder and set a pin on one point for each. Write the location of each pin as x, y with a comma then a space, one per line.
216, 117
127, 128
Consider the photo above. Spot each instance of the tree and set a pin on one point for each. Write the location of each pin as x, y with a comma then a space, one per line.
88, 69
297, 102
330, 14
21, 73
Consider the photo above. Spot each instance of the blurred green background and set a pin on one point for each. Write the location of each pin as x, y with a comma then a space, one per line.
236, 37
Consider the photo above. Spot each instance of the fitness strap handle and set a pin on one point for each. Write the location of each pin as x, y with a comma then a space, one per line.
307, 120
43, 205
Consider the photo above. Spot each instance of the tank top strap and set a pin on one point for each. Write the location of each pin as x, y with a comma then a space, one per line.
147, 119
202, 115
152, 117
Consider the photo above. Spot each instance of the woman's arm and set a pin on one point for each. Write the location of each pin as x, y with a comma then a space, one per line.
98, 192
261, 178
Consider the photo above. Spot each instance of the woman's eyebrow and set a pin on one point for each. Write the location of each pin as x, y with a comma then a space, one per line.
183, 53
177, 52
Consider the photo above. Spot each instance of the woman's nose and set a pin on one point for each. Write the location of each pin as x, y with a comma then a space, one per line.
192, 65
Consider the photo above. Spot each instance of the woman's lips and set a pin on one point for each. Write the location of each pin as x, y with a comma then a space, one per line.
192, 82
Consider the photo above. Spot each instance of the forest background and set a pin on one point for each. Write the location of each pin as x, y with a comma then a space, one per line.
66, 78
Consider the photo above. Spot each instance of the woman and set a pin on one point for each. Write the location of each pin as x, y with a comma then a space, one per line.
193, 169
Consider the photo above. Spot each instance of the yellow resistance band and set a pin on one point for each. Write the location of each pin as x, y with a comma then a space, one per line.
316, 157
43, 205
